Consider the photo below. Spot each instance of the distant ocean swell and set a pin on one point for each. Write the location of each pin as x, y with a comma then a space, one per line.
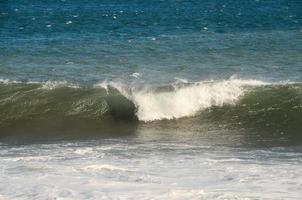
59, 106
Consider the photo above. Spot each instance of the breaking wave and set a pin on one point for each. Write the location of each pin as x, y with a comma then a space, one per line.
147, 104
61, 106
188, 100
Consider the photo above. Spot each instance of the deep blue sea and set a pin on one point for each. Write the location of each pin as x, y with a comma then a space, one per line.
159, 99
91, 41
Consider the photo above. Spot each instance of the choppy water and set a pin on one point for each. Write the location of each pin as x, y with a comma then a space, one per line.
150, 99
123, 169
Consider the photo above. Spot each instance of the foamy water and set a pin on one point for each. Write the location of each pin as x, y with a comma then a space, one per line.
117, 169
184, 101
187, 101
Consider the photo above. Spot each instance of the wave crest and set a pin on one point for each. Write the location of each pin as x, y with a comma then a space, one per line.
189, 100
110, 108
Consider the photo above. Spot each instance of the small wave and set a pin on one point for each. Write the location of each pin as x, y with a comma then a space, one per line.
43, 85
50, 85
8, 81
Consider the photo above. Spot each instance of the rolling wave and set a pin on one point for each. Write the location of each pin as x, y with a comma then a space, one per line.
60, 106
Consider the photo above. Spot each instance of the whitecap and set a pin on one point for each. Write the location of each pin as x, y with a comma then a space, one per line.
49, 85
135, 75
189, 100
8, 81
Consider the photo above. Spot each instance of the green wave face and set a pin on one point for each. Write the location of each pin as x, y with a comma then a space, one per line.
30, 110
270, 113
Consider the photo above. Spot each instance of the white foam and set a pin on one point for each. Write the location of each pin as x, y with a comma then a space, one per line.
181, 80
7, 81
83, 151
184, 194
28, 158
50, 85
119, 86
96, 168
135, 75
183, 101
187, 101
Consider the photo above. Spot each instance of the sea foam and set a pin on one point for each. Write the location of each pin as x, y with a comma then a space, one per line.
104, 167
183, 101
189, 100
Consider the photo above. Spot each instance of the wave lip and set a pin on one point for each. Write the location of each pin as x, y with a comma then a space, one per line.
189, 100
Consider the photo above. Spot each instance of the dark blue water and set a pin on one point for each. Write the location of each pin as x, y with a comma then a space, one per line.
92, 41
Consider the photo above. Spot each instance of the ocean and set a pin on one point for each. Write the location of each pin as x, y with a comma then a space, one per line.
159, 99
